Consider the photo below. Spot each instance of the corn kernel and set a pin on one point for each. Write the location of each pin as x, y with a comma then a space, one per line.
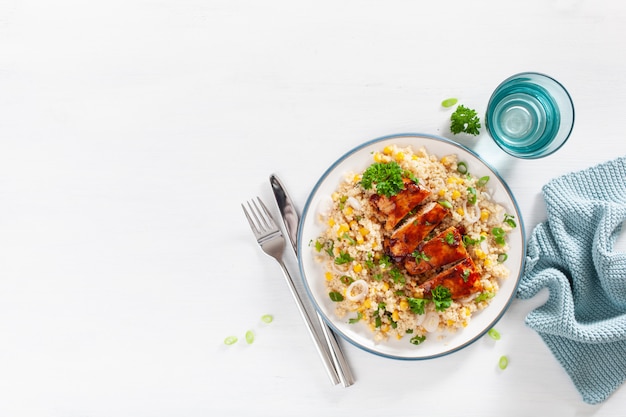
460, 211
329, 275
398, 336
484, 215
450, 322
442, 192
399, 157
335, 196
356, 178
352, 223
487, 262
445, 160
331, 222
404, 304
480, 254
384, 328
348, 210
357, 268
360, 240
364, 231
395, 316
343, 227
385, 286
378, 157
465, 323
388, 150
367, 303
456, 194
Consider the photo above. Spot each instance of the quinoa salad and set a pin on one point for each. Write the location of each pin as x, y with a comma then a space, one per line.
413, 246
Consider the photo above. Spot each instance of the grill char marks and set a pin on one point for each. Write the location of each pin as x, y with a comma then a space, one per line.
394, 209
443, 249
406, 238
461, 279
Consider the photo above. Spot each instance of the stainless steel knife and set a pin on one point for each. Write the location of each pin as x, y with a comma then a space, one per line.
291, 219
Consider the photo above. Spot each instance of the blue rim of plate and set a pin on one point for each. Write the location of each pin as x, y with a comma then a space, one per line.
307, 208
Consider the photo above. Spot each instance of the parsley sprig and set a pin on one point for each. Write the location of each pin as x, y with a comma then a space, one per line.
386, 176
465, 120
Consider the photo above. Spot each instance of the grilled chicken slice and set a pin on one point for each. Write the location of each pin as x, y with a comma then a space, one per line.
394, 209
445, 248
409, 235
462, 280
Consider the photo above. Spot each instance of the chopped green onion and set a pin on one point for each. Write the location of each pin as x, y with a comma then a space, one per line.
249, 337
416, 340
335, 296
494, 334
471, 195
449, 102
346, 279
482, 181
461, 167
230, 340
483, 296
498, 234
508, 219
267, 318
502, 257
503, 362
445, 203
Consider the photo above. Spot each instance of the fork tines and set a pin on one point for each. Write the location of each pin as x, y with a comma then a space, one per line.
259, 217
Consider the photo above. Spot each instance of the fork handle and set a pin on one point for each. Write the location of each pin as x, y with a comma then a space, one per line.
325, 355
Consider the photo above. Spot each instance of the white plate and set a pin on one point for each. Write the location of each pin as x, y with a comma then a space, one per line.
312, 272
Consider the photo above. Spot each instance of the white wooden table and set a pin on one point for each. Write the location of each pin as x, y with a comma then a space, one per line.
130, 132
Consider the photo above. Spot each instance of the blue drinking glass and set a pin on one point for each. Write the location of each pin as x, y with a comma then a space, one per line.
530, 115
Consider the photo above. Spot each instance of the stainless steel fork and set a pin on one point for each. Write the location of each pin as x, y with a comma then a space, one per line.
272, 242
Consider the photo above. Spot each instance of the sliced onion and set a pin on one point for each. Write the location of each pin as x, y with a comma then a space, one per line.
325, 206
471, 218
484, 246
419, 319
354, 203
357, 290
431, 322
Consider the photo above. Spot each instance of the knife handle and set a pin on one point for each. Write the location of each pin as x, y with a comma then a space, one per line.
341, 364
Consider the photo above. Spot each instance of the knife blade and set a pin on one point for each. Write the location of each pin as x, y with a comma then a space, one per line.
291, 220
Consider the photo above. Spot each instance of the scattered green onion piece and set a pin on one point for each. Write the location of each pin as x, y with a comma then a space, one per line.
482, 181
509, 219
267, 318
249, 337
335, 296
471, 195
346, 279
503, 362
230, 340
416, 340
445, 203
461, 167
449, 102
494, 334
502, 257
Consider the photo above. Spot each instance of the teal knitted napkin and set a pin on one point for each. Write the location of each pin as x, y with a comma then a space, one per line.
583, 322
